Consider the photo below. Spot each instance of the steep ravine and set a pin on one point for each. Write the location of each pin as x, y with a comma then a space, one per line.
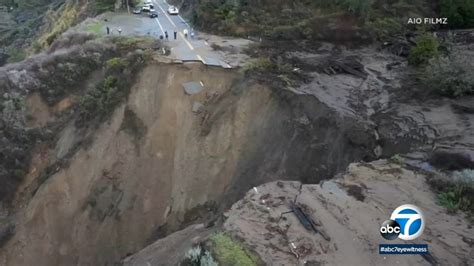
163, 160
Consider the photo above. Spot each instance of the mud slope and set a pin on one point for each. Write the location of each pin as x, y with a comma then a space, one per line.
166, 157
349, 211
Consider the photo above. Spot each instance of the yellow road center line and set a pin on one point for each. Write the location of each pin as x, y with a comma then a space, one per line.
186, 41
202, 59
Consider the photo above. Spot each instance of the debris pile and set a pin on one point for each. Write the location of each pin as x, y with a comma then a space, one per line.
333, 223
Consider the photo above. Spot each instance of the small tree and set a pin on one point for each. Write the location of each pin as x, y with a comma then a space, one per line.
425, 49
451, 75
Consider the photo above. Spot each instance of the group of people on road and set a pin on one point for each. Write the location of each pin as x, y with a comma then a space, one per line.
166, 35
175, 33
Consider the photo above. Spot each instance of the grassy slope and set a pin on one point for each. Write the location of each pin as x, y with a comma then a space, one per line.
230, 252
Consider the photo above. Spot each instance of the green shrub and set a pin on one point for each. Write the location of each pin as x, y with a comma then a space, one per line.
425, 49
450, 75
64, 73
131, 43
455, 191
104, 5
116, 64
460, 13
385, 28
15, 55
397, 158
62, 19
101, 100
230, 252
448, 201
259, 64
271, 19
457, 197
96, 27
110, 82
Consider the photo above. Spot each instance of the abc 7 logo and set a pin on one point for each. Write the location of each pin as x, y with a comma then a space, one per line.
390, 229
406, 223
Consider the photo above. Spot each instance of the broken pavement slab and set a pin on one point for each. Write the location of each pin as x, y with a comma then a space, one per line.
193, 87
215, 62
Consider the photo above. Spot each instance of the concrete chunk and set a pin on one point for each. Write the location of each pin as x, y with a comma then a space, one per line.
193, 87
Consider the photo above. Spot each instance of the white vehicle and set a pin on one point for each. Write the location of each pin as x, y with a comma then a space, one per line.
148, 8
148, 2
172, 10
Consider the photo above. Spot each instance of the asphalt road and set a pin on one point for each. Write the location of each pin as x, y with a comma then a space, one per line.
182, 48
186, 48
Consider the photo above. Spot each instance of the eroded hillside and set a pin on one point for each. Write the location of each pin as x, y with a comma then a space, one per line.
166, 158
347, 210
110, 143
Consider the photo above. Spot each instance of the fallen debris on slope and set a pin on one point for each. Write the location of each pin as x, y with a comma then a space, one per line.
288, 223
351, 226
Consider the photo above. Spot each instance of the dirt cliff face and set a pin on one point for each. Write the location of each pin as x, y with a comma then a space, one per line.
166, 157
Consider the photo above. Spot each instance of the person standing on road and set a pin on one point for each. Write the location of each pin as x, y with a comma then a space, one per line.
119, 30
175, 34
185, 31
166, 35
108, 30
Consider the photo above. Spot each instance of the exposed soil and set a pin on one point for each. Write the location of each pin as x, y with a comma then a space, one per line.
350, 228
347, 212
38, 111
355, 107
165, 160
